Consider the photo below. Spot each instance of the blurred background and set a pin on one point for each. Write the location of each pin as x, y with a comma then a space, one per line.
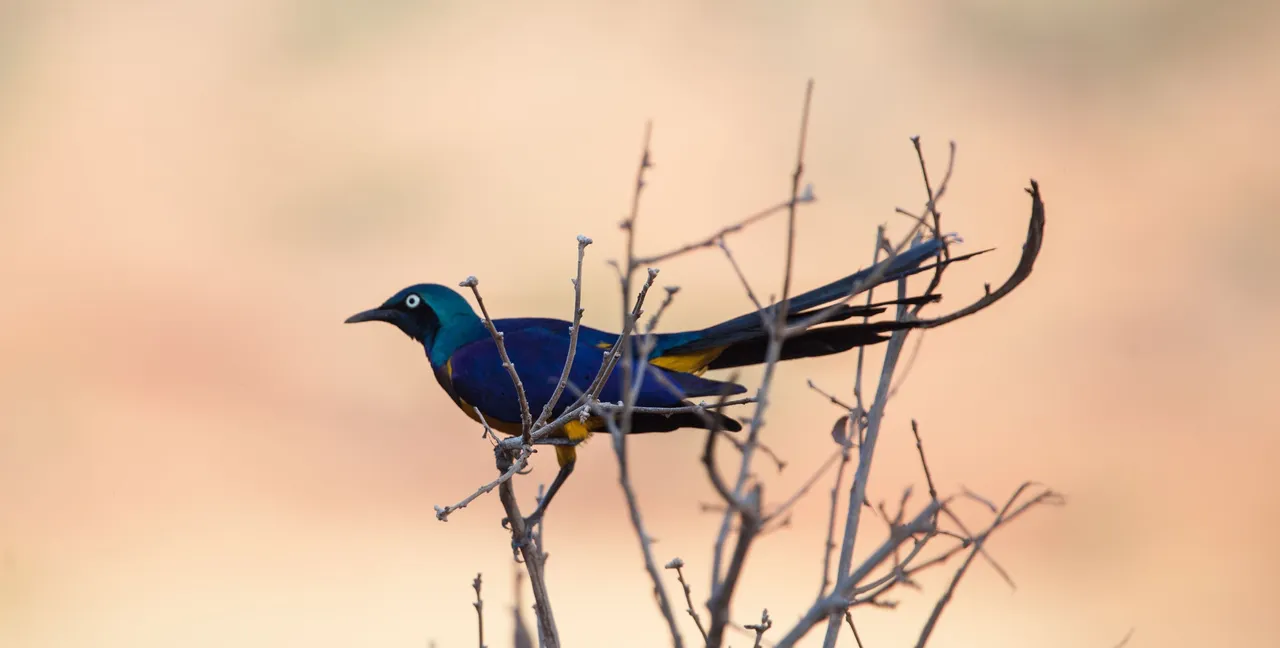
195, 451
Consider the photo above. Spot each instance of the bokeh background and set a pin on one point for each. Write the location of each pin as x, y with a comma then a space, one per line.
195, 451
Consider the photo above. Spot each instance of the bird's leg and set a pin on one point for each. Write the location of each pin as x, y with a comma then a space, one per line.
566, 469
566, 456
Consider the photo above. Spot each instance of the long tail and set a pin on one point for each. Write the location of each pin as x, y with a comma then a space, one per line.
743, 340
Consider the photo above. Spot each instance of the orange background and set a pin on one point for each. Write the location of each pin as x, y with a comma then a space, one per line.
195, 451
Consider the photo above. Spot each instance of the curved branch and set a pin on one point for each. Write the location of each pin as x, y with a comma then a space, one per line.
1030, 252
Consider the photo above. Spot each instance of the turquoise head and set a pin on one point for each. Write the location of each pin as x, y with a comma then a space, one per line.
435, 315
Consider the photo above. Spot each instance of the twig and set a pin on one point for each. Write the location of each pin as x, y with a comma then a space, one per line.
848, 617
931, 208
583, 242
834, 401
746, 285
479, 606
779, 462
1125, 641
717, 236
678, 565
791, 207
748, 529
1001, 518
830, 544
526, 419
836, 602
804, 488
732, 502
442, 513
761, 628
522, 638
915, 429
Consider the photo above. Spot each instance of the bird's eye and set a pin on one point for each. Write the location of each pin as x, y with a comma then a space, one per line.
412, 301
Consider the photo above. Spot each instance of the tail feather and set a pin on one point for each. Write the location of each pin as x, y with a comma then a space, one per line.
902, 265
815, 342
742, 340
645, 422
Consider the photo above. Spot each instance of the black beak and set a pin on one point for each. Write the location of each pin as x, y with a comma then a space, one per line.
372, 315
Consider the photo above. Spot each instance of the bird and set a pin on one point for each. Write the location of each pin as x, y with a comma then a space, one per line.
467, 363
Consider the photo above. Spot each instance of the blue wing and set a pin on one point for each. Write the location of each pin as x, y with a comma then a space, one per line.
538, 349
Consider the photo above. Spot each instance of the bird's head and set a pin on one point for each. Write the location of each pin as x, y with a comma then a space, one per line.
421, 311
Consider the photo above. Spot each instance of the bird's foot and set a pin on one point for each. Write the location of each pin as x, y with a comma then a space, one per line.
530, 523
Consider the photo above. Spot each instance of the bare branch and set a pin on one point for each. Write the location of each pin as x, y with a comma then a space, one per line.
709, 461
526, 419
931, 207
915, 429
678, 565
479, 606
830, 544
583, 242
619, 429
1030, 252
836, 602
717, 236
862, 474
761, 628
1046, 496
746, 285
442, 513
791, 207
848, 617
834, 401
804, 488
722, 596
534, 561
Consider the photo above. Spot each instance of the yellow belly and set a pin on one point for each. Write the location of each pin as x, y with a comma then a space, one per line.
574, 430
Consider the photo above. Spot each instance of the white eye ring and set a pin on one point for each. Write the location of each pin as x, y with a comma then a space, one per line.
412, 301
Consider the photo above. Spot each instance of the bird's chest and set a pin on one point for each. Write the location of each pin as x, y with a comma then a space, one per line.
481, 412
